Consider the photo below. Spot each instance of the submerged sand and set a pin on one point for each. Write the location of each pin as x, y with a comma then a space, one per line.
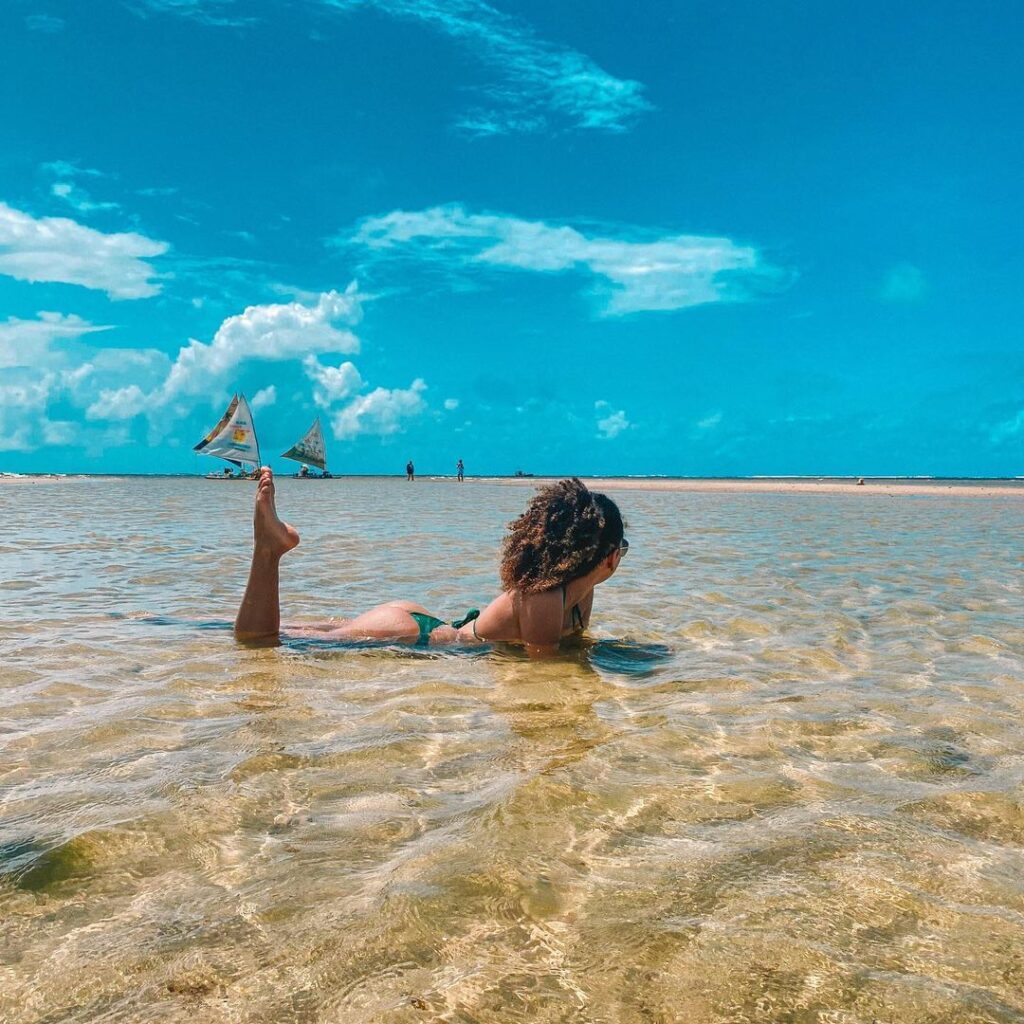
781, 783
886, 486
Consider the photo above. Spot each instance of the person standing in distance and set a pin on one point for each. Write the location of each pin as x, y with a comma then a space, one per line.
410, 471
461, 471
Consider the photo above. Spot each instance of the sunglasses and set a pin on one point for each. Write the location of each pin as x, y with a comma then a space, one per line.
623, 547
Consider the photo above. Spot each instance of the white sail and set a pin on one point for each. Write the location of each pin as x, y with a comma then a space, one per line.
234, 437
310, 449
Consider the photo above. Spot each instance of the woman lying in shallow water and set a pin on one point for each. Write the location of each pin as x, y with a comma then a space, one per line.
567, 541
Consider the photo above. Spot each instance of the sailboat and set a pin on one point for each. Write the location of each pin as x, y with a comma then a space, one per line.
310, 451
233, 439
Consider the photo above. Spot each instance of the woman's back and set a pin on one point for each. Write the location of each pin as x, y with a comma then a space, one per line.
565, 608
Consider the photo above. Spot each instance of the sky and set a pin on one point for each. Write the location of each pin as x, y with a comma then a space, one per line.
680, 238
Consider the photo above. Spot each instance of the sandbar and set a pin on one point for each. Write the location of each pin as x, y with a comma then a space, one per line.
870, 487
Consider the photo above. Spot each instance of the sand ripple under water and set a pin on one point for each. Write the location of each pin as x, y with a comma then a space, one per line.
784, 785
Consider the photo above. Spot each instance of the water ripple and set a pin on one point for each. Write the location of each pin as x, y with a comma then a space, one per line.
780, 783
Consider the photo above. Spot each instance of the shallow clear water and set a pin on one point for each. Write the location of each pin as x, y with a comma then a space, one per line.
785, 784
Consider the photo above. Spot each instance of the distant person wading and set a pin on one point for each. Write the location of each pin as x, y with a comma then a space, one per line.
410, 471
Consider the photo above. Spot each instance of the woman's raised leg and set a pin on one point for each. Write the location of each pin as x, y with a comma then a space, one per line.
259, 615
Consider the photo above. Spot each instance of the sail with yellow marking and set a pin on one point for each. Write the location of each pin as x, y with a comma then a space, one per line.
234, 437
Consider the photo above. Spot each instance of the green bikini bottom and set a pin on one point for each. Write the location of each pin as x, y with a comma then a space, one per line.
428, 623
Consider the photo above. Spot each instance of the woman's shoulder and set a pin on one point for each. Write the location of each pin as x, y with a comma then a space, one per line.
512, 604
535, 603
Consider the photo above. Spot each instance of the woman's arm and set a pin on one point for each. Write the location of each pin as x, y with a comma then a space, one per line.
586, 606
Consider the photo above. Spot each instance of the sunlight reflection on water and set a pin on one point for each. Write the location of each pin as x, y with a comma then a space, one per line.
783, 782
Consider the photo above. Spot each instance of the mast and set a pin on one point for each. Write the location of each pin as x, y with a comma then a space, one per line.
255, 439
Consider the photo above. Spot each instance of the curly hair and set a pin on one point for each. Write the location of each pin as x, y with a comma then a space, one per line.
565, 532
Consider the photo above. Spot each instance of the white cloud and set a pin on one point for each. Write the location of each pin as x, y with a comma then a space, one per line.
545, 85
67, 169
610, 424
904, 283
59, 249
115, 385
16, 441
146, 363
709, 422
67, 189
108, 383
333, 383
451, 404
47, 23
72, 379
263, 399
206, 12
24, 395
59, 432
117, 404
78, 199
633, 271
273, 332
1008, 428
381, 412
129, 375
106, 371
27, 342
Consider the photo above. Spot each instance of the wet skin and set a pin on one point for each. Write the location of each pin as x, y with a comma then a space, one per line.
538, 620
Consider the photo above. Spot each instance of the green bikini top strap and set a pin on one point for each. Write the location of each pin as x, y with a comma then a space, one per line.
473, 613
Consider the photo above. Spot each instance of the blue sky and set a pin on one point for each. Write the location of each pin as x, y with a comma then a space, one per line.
674, 237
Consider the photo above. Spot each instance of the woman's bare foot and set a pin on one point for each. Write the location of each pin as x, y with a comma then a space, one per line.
272, 537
